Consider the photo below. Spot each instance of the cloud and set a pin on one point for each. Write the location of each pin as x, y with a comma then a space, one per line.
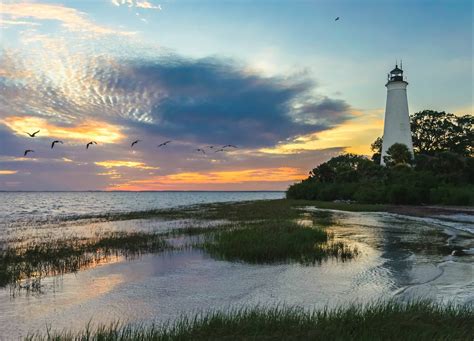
355, 135
70, 18
115, 99
211, 100
85, 131
6, 23
137, 4
215, 101
7, 172
265, 175
119, 163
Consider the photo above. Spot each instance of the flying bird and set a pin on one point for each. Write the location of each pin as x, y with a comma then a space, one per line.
134, 143
220, 150
34, 134
336, 19
229, 146
90, 143
54, 142
200, 150
28, 151
163, 144
210, 147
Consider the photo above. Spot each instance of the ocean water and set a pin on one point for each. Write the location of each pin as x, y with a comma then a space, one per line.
34, 207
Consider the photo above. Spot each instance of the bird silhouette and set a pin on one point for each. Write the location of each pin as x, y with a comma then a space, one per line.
336, 19
54, 142
229, 146
211, 147
163, 144
34, 134
220, 150
28, 151
200, 150
135, 142
90, 143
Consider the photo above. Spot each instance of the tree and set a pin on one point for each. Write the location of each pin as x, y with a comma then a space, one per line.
376, 147
434, 132
345, 168
398, 153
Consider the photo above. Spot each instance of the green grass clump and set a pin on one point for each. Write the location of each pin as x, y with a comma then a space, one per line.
34, 261
273, 242
235, 211
350, 207
277, 209
377, 321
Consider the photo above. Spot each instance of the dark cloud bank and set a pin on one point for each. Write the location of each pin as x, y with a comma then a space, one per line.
215, 101
207, 100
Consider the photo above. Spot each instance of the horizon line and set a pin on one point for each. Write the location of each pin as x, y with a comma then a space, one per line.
164, 191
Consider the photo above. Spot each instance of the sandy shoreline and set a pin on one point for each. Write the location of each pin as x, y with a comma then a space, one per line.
430, 211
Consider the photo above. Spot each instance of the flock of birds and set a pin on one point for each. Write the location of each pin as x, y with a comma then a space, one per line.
216, 149
200, 150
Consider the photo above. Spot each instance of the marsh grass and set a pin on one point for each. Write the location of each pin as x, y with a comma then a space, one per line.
267, 231
263, 209
263, 231
377, 321
232, 211
275, 242
34, 261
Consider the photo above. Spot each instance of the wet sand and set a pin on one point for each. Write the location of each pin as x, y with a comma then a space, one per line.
431, 211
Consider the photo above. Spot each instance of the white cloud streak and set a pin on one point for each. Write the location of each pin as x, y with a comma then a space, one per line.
137, 4
70, 18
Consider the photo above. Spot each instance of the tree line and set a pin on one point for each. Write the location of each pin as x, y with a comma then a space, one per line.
441, 171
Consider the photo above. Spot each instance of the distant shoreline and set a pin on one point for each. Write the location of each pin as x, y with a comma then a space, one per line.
164, 191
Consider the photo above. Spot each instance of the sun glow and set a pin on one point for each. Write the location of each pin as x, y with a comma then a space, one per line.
119, 163
355, 136
7, 172
281, 174
87, 131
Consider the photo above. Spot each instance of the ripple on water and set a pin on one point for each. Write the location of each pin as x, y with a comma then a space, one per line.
159, 287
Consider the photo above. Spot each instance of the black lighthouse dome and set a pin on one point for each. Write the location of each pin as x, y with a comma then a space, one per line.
396, 74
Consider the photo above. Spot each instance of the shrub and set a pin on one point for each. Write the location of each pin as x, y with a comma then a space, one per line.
443, 178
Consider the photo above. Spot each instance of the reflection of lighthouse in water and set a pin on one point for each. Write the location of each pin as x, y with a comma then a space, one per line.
397, 119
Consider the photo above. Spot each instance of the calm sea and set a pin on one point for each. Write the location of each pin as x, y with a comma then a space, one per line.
40, 206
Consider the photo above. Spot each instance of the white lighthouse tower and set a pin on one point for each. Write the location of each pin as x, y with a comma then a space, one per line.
397, 120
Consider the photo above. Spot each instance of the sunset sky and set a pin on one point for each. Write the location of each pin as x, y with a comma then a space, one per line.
282, 80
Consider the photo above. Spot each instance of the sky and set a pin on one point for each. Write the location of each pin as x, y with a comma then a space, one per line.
282, 81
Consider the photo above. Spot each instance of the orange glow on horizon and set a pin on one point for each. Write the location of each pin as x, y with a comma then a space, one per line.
89, 131
280, 174
7, 172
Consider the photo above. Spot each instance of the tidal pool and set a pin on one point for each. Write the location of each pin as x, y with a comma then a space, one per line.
399, 257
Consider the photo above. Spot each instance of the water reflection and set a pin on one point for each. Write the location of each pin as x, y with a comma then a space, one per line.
160, 287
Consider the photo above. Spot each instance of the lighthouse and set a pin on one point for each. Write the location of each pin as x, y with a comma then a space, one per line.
397, 120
